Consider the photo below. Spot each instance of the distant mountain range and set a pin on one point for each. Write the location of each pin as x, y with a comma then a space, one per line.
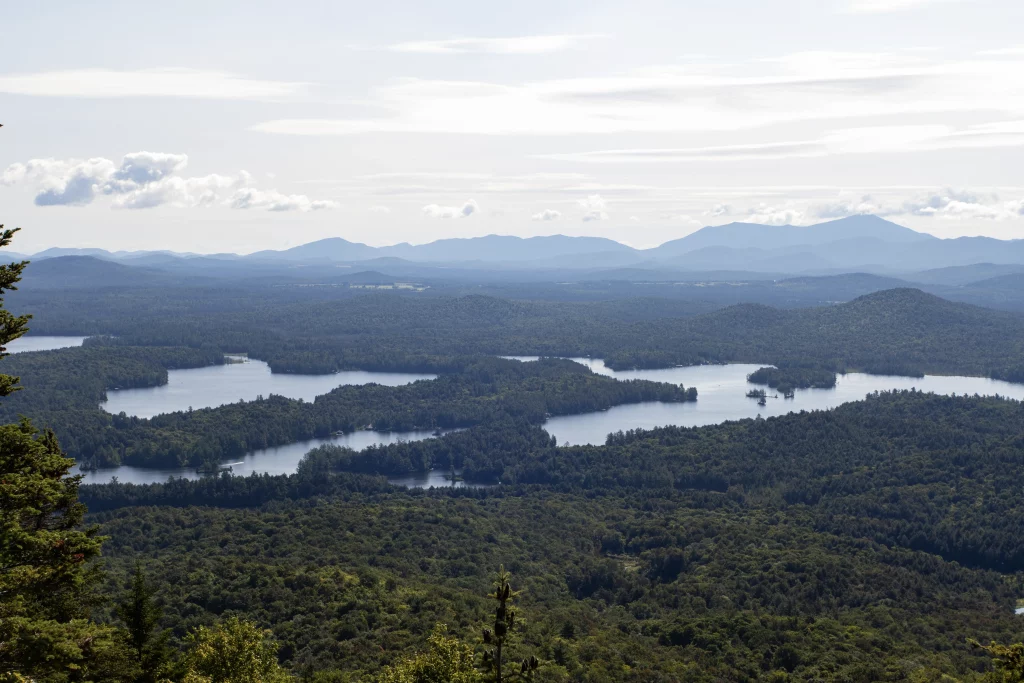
854, 244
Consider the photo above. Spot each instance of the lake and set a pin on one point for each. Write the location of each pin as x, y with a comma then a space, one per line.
42, 343
279, 460
721, 396
218, 385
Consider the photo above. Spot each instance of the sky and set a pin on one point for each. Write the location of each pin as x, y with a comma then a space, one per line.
238, 126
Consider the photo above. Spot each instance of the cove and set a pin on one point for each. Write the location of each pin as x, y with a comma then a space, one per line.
721, 396
242, 379
279, 460
42, 343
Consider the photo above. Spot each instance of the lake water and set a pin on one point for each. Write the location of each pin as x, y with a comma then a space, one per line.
721, 396
42, 343
219, 385
279, 460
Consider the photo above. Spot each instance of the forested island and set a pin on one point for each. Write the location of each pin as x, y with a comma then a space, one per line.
788, 378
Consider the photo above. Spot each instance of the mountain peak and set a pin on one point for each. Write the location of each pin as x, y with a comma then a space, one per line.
767, 237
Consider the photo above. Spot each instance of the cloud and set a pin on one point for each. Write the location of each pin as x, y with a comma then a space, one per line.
547, 215
272, 200
380, 209
148, 167
70, 183
517, 45
776, 150
961, 204
719, 210
594, 208
464, 211
694, 97
843, 207
866, 140
949, 204
1004, 52
772, 215
177, 191
144, 180
183, 83
888, 6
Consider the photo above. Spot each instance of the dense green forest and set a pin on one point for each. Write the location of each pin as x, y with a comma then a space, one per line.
862, 544
899, 331
788, 378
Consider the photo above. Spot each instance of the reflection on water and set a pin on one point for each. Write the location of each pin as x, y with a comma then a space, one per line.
219, 385
279, 460
42, 343
721, 396
434, 479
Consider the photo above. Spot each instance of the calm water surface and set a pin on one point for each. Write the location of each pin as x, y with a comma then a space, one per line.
219, 385
721, 396
279, 460
42, 343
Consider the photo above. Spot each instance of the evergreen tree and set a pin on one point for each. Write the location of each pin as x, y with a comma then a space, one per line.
46, 578
11, 326
504, 628
140, 614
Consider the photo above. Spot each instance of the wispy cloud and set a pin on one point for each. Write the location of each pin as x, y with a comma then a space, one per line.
692, 98
1016, 51
272, 200
182, 83
515, 45
144, 180
888, 6
872, 139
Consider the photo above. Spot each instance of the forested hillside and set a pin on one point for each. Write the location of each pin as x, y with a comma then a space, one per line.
862, 544
898, 331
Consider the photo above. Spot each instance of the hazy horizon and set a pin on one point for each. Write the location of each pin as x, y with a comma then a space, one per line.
440, 238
